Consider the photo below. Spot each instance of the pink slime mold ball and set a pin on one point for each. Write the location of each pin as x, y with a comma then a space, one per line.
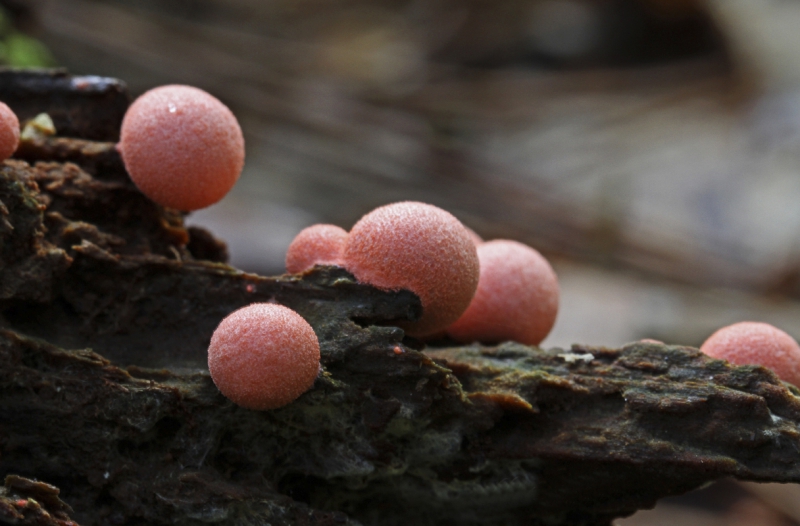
756, 343
182, 147
421, 248
316, 245
517, 296
9, 132
263, 356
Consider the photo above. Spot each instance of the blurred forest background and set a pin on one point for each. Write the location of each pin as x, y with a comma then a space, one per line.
649, 148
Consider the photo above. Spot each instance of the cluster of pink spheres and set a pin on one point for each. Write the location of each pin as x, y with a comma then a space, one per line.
184, 149
470, 289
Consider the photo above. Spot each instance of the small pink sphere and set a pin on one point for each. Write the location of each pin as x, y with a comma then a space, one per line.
316, 245
756, 343
263, 356
9, 132
182, 147
421, 248
517, 296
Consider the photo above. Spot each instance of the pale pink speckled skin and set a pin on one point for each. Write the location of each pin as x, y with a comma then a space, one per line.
182, 147
517, 296
9, 132
421, 248
316, 245
263, 356
756, 343
478, 240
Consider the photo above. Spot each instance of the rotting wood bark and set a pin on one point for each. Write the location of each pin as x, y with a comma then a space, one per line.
107, 310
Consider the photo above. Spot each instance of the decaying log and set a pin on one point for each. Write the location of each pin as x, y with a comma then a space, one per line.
25, 501
107, 309
86, 107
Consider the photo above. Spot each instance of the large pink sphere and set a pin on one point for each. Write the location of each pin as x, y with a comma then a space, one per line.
9, 132
263, 356
517, 296
421, 248
316, 245
182, 147
756, 343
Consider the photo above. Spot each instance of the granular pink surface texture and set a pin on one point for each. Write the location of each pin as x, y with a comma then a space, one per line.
182, 147
316, 245
9, 132
263, 356
474, 235
421, 248
517, 296
756, 343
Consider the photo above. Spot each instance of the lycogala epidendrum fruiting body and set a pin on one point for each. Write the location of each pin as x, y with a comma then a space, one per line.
9, 132
517, 296
316, 245
421, 248
182, 147
756, 343
263, 356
